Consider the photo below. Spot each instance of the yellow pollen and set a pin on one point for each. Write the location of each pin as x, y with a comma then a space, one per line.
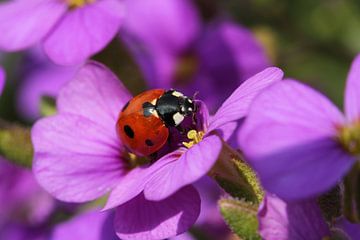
195, 137
349, 138
78, 3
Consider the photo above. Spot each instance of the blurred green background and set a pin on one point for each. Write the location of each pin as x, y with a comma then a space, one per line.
312, 41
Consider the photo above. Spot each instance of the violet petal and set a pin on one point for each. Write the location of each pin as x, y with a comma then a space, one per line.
84, 31
143, 219
24, 23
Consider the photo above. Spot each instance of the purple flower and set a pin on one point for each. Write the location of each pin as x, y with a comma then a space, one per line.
174, 48
40, 78
302, 220
298, 141
91, 225
2, 79
20, 195
78, 156
70, 30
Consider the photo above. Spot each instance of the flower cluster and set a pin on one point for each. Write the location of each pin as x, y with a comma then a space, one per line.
211, 134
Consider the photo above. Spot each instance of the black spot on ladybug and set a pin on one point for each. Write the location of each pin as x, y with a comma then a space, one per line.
148, 109
125, 106
129, 132
149, 143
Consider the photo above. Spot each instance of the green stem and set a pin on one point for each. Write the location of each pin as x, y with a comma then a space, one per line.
235, 176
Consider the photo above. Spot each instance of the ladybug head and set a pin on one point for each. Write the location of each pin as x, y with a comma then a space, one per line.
187, 107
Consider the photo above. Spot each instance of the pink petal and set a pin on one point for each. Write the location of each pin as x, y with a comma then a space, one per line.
133, 183
303, 171
158, 36
301, 220
238, 104
75, 158
92, 225
24, 23
352, 94
143, 219
2, 79
96, 94
286, 114
190, 167
44, 80
84, 32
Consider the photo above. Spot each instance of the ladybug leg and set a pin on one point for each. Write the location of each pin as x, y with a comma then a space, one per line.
181, 129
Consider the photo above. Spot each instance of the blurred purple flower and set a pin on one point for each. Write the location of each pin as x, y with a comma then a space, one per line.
2, 79
298, 141
302, 220
91, 225
174, 48
69, 30
350, 230
20, 196
41, 78
78, 156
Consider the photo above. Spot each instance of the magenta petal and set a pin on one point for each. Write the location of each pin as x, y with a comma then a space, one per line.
96, 94
157, 37
75, 159
2, 79
46, 80
84, 32
286, 114
143, 219
92, 225
190, 167
352, 93
238, 104
303, 171
24, 23
134, 182
302, 220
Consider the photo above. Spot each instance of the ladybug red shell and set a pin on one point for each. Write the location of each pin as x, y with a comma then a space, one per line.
143, 124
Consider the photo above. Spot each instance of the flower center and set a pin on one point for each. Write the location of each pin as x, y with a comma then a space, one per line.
78, 3
349, 138
195, 137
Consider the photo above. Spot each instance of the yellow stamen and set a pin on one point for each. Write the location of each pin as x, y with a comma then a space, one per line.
78, 3
195, 138
349, 138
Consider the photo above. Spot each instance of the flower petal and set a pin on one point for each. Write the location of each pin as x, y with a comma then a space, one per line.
133, 183
96, 94
238, 104
302, 220
24, 23
92, 225
76, 159
143, 219
84, 32
228, 55
193, 164
157, 37
45, 80
352, 94
303, 171
286, 114
2, 79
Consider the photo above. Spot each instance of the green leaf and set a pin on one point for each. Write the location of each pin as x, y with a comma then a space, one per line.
241, 216
15, 144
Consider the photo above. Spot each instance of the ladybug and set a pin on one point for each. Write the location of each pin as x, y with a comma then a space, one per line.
144, 122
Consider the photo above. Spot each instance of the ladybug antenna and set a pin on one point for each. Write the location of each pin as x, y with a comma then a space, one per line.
195, 95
